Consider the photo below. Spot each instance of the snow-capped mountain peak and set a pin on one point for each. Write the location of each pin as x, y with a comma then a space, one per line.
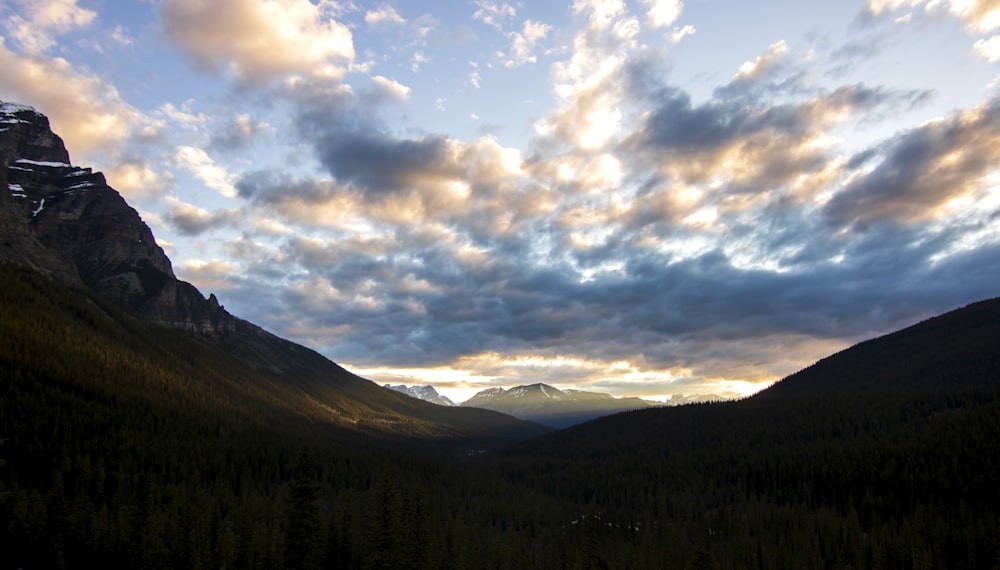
426, 393
546, 404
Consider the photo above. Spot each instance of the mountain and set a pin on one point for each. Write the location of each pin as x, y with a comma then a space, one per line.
681, 399
426, 393
881, 455
956, 349
144, 431
550, 406
66, 222
942, 364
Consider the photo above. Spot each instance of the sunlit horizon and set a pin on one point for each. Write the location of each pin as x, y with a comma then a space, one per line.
644, 198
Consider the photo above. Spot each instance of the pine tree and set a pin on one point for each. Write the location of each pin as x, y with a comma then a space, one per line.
302, 534
386, 550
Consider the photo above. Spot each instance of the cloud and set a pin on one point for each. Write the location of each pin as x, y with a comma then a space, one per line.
378, 164
602, 13
764, 62
33, 31
650, 239
199, 163
522, 45
378, 177
302, 200
134, 177
121, 36
238, 133
88, 113
989, 48
493, 13
401, 178
679, 34
391, 88
186, 117
663, 12
693, 317
590, 85
214, 275
918, 173
384, 15
452, 292
260, 40
979, 15
754, 151
192, 220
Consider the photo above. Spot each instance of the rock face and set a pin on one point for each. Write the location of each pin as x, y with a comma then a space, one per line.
26, 133
66, 221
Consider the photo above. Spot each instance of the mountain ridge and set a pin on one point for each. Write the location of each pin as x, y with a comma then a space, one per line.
931, 365
549, 405
66, 222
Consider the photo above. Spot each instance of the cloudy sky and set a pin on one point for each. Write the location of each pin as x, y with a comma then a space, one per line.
643, 197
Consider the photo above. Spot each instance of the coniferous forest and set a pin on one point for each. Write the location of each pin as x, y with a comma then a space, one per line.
134, 446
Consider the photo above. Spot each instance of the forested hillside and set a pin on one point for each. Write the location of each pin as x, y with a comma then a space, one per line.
882, 456
140, 446
135, 445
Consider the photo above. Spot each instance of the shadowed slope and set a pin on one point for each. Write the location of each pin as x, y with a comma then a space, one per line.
66, 222
961, 347
64, 337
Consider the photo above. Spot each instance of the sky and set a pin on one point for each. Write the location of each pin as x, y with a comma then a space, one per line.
644, 198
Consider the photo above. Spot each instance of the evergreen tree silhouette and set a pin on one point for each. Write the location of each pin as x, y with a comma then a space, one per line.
302, 535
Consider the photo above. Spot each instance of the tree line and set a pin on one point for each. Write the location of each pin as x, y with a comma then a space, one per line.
128, 444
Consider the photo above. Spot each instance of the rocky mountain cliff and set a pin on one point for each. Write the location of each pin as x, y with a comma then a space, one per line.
68, 223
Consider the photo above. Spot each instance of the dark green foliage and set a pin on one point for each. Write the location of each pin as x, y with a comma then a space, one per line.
140, 447
303, 548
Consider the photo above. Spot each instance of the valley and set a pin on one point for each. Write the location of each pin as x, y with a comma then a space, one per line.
143, 425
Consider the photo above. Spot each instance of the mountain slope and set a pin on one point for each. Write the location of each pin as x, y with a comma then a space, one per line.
961, 347
881, 456
69, 338
550, 406
943, 363
66, 222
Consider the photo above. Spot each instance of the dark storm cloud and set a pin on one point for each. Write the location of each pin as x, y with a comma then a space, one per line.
750, 293
376, 163
697, 301
667, 308
921, 170
754, 146
190, 220
410, 299
678, 126
276, 187
354, 147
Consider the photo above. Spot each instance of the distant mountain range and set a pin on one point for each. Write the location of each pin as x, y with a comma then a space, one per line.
549, 405
426, 393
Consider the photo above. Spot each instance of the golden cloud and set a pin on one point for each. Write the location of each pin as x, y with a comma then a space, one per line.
262, 39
